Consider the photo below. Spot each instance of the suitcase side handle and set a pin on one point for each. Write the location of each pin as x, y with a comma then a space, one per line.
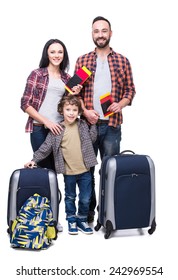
126, 152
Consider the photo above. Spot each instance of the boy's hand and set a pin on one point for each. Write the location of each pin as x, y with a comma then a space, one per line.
30, 164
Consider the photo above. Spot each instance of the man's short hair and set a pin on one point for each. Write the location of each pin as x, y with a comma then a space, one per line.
101, 18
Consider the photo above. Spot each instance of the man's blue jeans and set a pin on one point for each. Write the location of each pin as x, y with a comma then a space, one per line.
108, 144
37, 137
84, 183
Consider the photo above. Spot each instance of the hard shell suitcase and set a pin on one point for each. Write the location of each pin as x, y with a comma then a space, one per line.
24, 183
127, 193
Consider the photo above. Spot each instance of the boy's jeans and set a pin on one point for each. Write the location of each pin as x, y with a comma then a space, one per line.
84, 183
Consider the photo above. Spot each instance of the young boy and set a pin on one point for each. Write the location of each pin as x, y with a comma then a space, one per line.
73, 156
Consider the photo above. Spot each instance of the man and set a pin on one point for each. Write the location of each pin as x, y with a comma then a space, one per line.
111, 73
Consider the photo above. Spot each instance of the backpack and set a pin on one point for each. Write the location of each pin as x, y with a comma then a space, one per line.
34, 227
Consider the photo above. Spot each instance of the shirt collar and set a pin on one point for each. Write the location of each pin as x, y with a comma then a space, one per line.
110, 53
44, 71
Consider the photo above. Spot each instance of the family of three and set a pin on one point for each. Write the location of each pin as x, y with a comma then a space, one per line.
68, 130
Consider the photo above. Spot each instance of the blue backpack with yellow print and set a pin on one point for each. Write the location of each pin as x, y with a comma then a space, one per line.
34, 227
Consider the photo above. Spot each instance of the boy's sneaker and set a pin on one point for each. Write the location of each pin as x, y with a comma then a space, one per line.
72, 228
84, 227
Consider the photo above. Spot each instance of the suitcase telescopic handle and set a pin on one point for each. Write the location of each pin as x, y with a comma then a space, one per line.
126, 152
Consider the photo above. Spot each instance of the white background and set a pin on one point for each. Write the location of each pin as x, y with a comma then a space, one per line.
146, 33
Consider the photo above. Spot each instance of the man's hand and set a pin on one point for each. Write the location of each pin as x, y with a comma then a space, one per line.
117, 107
91, 116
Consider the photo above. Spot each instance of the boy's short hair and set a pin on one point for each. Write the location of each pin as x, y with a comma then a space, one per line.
72, 100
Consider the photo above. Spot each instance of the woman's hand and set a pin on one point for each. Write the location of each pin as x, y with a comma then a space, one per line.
76, 89
55, 128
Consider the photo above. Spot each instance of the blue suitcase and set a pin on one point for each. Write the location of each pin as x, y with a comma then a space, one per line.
127, 193
24, 183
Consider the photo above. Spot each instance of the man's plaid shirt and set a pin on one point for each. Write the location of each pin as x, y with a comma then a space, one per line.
121, 79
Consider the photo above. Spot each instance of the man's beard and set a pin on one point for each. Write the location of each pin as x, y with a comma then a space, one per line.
102, 45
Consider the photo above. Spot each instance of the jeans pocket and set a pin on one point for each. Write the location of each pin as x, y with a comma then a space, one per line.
37, 128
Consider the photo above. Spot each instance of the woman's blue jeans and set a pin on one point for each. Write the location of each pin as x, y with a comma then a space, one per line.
84, 184
37, 137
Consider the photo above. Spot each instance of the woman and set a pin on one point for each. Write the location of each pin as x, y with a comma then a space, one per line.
44, 89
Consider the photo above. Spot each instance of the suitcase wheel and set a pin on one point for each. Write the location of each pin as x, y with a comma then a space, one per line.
107, 234
98, 226
109, 229
153, 227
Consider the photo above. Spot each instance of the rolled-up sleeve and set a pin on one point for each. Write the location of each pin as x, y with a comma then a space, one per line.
129, 87
26, 99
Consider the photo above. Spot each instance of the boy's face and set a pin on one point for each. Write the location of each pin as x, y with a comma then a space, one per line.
70, 113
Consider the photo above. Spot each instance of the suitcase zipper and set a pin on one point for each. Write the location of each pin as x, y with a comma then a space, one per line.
134, 174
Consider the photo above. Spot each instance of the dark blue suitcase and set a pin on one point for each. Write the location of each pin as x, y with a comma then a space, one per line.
127, 193
24, 183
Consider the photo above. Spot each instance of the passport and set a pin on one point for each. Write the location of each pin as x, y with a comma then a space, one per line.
80, 76
106, 101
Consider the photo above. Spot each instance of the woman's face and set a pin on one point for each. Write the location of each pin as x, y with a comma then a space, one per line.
55, 54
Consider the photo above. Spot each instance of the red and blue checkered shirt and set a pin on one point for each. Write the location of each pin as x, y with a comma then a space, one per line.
35, 92
121, 80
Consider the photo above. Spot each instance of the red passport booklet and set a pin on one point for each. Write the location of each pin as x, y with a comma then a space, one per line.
79, 77
106, 101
